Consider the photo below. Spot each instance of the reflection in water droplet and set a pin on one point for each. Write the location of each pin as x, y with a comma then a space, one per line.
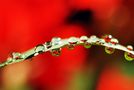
128, 56
107, 38
56, 41
109, 50
56, 52
129, 47
71, 43
83, 39
73, 40
40, 48
70, 47
87, 45
114, 41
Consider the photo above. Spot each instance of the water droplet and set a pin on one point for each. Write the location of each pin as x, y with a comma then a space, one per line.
40, 48
71, 47
129, 47
83, 39
109, 50
56, 52
93, 39
114, 41
128, 56
87, 45
72, 42
56, 41
107, 38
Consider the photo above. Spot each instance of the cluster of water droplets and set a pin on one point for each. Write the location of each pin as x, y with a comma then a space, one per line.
55, 46
107, 40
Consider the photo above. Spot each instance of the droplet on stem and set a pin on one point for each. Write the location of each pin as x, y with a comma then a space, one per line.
129, 47
56, 52
56, 41
70, 47
109, 50
87, 45
93, 39
114, 41
83, 39
40, 48
72, 43
129, 56
107, 38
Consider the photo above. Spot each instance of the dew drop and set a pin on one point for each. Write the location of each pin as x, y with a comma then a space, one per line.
93, 39
56, 52
114, 41
70, 47
107, 38
73, 40
40, 48
128, 56
72, 43
83, 39
129, 47
109, 50
56, 41
87, 45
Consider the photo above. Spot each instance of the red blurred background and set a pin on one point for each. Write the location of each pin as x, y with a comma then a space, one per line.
26, 23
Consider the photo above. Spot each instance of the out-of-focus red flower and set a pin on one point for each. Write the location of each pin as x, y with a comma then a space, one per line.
112, 78
26, 23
